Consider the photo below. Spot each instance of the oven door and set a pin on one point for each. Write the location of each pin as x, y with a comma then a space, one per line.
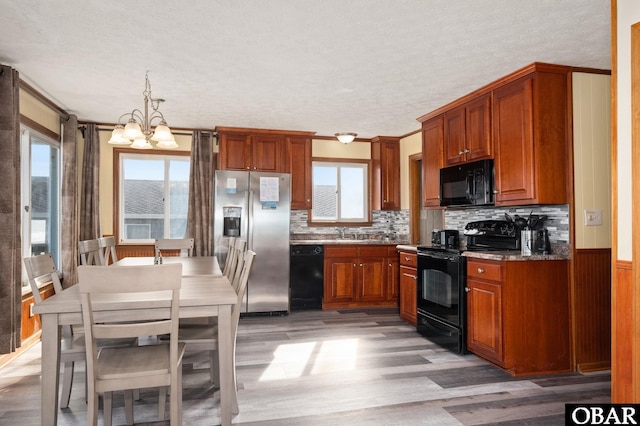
441, 281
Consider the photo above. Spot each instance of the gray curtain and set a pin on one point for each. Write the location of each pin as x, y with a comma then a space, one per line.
69, 221
200, 216
10, 213
90, 217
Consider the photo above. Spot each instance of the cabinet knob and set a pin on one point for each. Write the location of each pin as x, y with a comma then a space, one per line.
407, 259
480, 271
390, 265
460, 152
467, 289
354, 265
495, 191
415, 277
248, 168
466, 151
361, 265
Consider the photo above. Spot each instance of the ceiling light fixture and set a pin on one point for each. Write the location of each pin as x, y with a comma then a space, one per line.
137, 132
346, 137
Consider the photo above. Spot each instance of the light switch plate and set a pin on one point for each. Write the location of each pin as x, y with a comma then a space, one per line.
593, 217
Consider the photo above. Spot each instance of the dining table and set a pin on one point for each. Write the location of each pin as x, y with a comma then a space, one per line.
207, 295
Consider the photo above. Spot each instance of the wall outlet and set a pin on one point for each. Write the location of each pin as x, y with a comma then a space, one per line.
31, 305
593, 217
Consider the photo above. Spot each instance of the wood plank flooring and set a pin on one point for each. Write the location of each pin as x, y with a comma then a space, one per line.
342, 367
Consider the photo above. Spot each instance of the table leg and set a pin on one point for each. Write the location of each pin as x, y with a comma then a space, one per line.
225, 353
50, 369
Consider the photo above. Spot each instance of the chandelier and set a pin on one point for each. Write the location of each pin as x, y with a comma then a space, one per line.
137, 132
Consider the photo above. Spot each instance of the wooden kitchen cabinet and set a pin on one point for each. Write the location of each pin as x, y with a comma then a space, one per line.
531, 130
251, 150
432, 142
467, 132
393, 275
385, 162
356, 275
408, 286
299, 165
518, 314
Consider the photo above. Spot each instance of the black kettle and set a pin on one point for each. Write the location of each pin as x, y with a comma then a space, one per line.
541, 244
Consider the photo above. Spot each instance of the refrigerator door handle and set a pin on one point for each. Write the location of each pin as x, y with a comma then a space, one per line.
250, 233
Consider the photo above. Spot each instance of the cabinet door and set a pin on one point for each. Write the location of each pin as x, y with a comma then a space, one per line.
371, 279
454, 137
235, 152
484, 319
478, 129
513, 141
390, 175
267, 153
432, 140
299, 165
408, 288
340, 275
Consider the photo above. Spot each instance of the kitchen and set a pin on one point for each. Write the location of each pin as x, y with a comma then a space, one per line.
415, 139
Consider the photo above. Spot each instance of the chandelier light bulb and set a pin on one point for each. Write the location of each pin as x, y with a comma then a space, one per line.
132, 130
162, 133
117, 136
141, 143
167, 144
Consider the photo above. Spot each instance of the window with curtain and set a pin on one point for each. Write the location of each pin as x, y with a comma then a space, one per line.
40, 191
153, 194
340, 192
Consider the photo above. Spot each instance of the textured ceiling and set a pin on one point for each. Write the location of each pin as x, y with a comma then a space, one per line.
365, 66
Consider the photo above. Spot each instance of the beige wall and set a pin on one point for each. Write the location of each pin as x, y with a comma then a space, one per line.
334, 149
37, 111
409, 146
592, 157
628, 14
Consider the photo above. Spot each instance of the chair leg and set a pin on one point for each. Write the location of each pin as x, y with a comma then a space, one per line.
215, 368
92, 410
162, 403
107, 408
128, 406
67, 381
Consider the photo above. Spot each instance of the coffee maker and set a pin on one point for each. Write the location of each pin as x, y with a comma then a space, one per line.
541, 244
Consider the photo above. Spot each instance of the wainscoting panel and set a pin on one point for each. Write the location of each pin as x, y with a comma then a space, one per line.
592, 297
135, 251
622, 335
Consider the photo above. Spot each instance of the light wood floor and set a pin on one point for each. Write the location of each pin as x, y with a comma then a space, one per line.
347, 367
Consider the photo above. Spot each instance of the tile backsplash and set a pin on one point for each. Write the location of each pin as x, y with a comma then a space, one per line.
557, 218
392, 223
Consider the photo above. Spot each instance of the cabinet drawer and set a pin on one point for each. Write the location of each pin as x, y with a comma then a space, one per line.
408, 258
340, 251
372, 251
484, 270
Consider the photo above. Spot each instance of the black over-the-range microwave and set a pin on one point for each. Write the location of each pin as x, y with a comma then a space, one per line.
469, 184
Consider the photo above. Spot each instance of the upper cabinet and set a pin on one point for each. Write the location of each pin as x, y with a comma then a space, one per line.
531, 127
467, 131
521, 121
262, 150
385, 158
299, 165
249, 150
432, 141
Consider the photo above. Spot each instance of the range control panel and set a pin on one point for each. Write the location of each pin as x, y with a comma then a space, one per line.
493, 228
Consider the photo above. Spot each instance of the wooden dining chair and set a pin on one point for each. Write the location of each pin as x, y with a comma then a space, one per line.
130, 368
90, 252
230, 258
204, 337
240, 248
41, 270
185, 245
108, 255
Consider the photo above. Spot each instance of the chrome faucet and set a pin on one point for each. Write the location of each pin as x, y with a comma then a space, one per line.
341, 232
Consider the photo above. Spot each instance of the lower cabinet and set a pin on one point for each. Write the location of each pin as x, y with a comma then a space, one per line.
518, 314
356, 275
408, 286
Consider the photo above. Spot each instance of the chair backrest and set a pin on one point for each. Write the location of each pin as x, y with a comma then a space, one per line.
247, 264
163, 280
41, 270
231, 252
182, 244
90, 252
107, 253
240, 249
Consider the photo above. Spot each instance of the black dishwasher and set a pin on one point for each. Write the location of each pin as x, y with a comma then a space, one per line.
306, 276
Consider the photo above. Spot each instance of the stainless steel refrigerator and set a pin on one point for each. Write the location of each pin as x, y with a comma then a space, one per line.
255, 206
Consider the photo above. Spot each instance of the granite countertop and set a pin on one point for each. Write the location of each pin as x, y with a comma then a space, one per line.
513, 255
348, 241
